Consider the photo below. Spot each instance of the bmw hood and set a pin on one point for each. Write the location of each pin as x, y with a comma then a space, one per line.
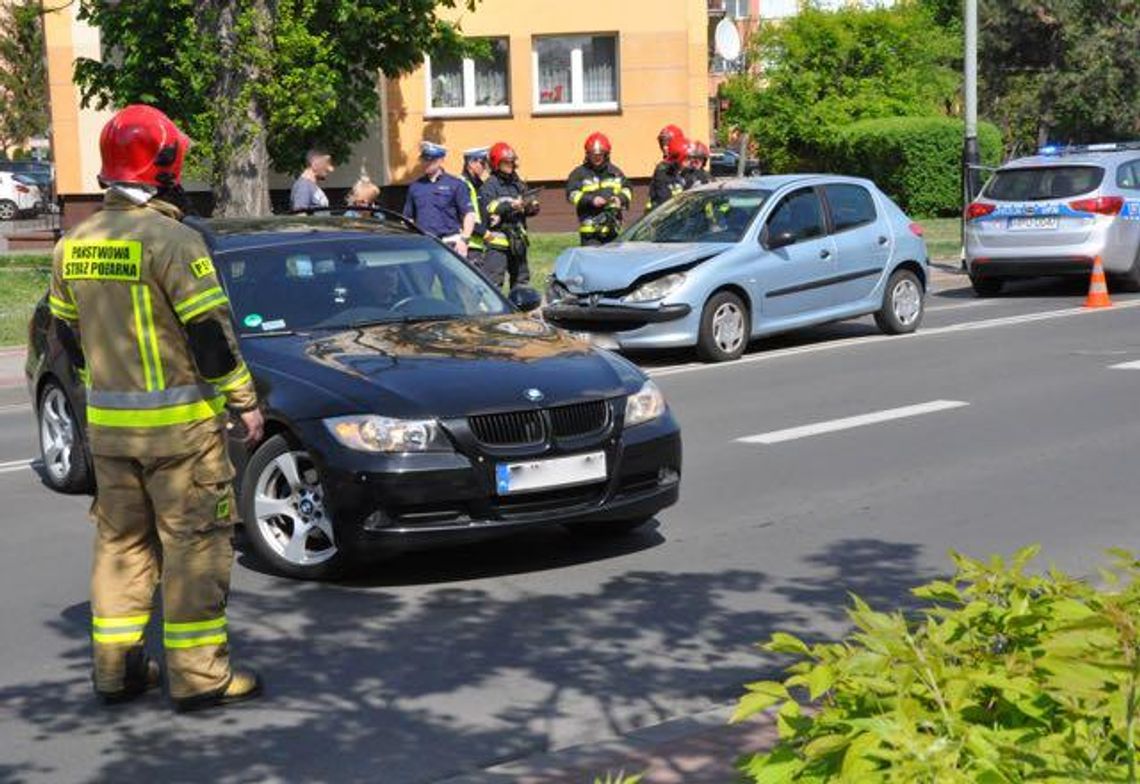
615, 267
435, 369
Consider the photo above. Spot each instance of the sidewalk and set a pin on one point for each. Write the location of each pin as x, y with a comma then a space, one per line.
699, 749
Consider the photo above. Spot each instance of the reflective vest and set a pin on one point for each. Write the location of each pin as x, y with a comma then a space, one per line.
130, 280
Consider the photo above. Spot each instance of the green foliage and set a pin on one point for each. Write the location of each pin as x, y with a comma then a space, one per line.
1060, 70
315, 81
23, 74
821, 70
916, 160
1006, 676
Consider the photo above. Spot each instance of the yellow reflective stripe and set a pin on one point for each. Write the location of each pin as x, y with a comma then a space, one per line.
214, 639
129, 620
140, 336
627, 193
233, 379
155, 417
62, 308
575, 197
195, 626
155, 357
200, 303
114, 639
590, 187
84, 376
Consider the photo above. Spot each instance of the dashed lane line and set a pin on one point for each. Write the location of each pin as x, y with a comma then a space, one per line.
848, 423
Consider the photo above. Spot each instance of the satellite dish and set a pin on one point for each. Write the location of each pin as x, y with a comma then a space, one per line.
727, 40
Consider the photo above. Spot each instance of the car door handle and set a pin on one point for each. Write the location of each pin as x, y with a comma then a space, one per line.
883, 240
825, 254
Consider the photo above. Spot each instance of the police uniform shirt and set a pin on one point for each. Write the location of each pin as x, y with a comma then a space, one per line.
439, 207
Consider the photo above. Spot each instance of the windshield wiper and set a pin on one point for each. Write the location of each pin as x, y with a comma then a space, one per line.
273, 333
410, 319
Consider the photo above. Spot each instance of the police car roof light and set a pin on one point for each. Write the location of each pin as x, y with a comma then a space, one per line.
1074, 149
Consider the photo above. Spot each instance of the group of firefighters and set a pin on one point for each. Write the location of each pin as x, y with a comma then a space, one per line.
140, 311
483, 215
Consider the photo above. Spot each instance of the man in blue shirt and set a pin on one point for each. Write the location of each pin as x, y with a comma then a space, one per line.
439, 203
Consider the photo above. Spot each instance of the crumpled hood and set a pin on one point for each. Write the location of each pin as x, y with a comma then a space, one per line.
436, 369
615, 267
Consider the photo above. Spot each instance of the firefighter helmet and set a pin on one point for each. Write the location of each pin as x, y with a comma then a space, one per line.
678, 150
698, 151
142, 145
668, 134
501, 151
597, 144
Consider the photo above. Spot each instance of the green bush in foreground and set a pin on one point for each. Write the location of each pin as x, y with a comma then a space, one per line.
1006, 676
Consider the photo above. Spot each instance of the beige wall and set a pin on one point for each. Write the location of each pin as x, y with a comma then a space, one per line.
662, 56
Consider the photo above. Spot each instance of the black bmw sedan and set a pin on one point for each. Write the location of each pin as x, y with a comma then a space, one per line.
407, 401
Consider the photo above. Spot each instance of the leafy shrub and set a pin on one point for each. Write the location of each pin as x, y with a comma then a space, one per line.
916, 160
1006, 676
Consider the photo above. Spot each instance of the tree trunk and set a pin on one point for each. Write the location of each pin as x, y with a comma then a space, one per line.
241, 162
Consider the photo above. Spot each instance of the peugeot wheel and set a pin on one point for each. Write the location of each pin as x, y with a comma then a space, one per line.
66, 467
902, 308
8, 210
726, 327
285, 515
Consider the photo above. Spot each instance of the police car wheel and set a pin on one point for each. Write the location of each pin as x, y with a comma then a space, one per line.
284, 512
726, 327
62, 449
902, 308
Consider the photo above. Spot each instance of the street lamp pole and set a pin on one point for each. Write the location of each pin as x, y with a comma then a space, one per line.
971, 157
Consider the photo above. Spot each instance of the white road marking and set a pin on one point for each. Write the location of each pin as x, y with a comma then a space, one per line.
15, 465
867, 340
12, 409
847, 423
1126, 366
958, 306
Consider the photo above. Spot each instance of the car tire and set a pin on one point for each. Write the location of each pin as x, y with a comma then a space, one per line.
986, 287
286, 520
8, 210
903, 306
726, 326
63, 449
607, 529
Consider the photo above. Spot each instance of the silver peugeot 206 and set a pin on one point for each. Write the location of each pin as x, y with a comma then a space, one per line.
1054, 213
722, 264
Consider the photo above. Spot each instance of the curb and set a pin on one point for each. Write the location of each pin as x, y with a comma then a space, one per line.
681, 740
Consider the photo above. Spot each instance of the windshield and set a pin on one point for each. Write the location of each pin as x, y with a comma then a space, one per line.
1040, 183
700, 216
346, 282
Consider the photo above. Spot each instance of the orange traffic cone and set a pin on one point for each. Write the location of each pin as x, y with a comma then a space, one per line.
1098, 288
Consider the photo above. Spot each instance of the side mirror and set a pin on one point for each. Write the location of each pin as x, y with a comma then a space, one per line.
525, 299
777, 241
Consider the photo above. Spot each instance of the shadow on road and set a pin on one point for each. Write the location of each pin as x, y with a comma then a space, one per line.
370, 683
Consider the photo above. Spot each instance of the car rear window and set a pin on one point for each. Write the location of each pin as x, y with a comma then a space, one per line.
1040, 183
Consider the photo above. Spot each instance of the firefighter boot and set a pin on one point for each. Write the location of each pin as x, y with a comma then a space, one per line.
243, 685
140, 676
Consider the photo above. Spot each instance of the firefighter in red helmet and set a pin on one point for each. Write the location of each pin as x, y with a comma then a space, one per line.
669, 176
146, 325
666, 135
507, 202
599, 192
697, 157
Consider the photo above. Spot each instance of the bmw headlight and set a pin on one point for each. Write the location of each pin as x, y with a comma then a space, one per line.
656, 289
372, 433
645, 405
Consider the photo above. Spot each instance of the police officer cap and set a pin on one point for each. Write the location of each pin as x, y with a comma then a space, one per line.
476, 154
430, 151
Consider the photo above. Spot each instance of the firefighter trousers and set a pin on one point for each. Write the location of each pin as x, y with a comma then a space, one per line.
499, 265
165, 520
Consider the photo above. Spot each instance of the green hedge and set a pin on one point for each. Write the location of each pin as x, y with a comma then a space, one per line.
915, 160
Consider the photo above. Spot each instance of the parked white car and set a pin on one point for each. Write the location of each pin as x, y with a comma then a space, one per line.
17, 198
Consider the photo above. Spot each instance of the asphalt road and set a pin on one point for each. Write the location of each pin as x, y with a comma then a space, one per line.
1004, 424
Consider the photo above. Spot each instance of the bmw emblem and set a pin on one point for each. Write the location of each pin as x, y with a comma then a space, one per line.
534, 395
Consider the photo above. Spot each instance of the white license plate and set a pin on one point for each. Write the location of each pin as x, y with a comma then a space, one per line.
1031, 224
555, 472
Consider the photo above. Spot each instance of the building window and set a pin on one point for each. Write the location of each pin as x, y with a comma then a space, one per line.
778, 9
739, 9
458, 87
577, 73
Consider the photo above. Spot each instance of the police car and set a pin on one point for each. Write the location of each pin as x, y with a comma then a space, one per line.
1053, 213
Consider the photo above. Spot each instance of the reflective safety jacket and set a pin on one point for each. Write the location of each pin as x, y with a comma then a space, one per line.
668, 180
495, 198
479, 233
140, 291
584, 184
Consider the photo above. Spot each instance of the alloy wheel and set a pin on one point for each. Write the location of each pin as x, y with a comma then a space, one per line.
57, 435
290, 512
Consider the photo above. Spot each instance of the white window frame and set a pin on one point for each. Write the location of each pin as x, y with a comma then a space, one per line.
577, 80
469, 107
